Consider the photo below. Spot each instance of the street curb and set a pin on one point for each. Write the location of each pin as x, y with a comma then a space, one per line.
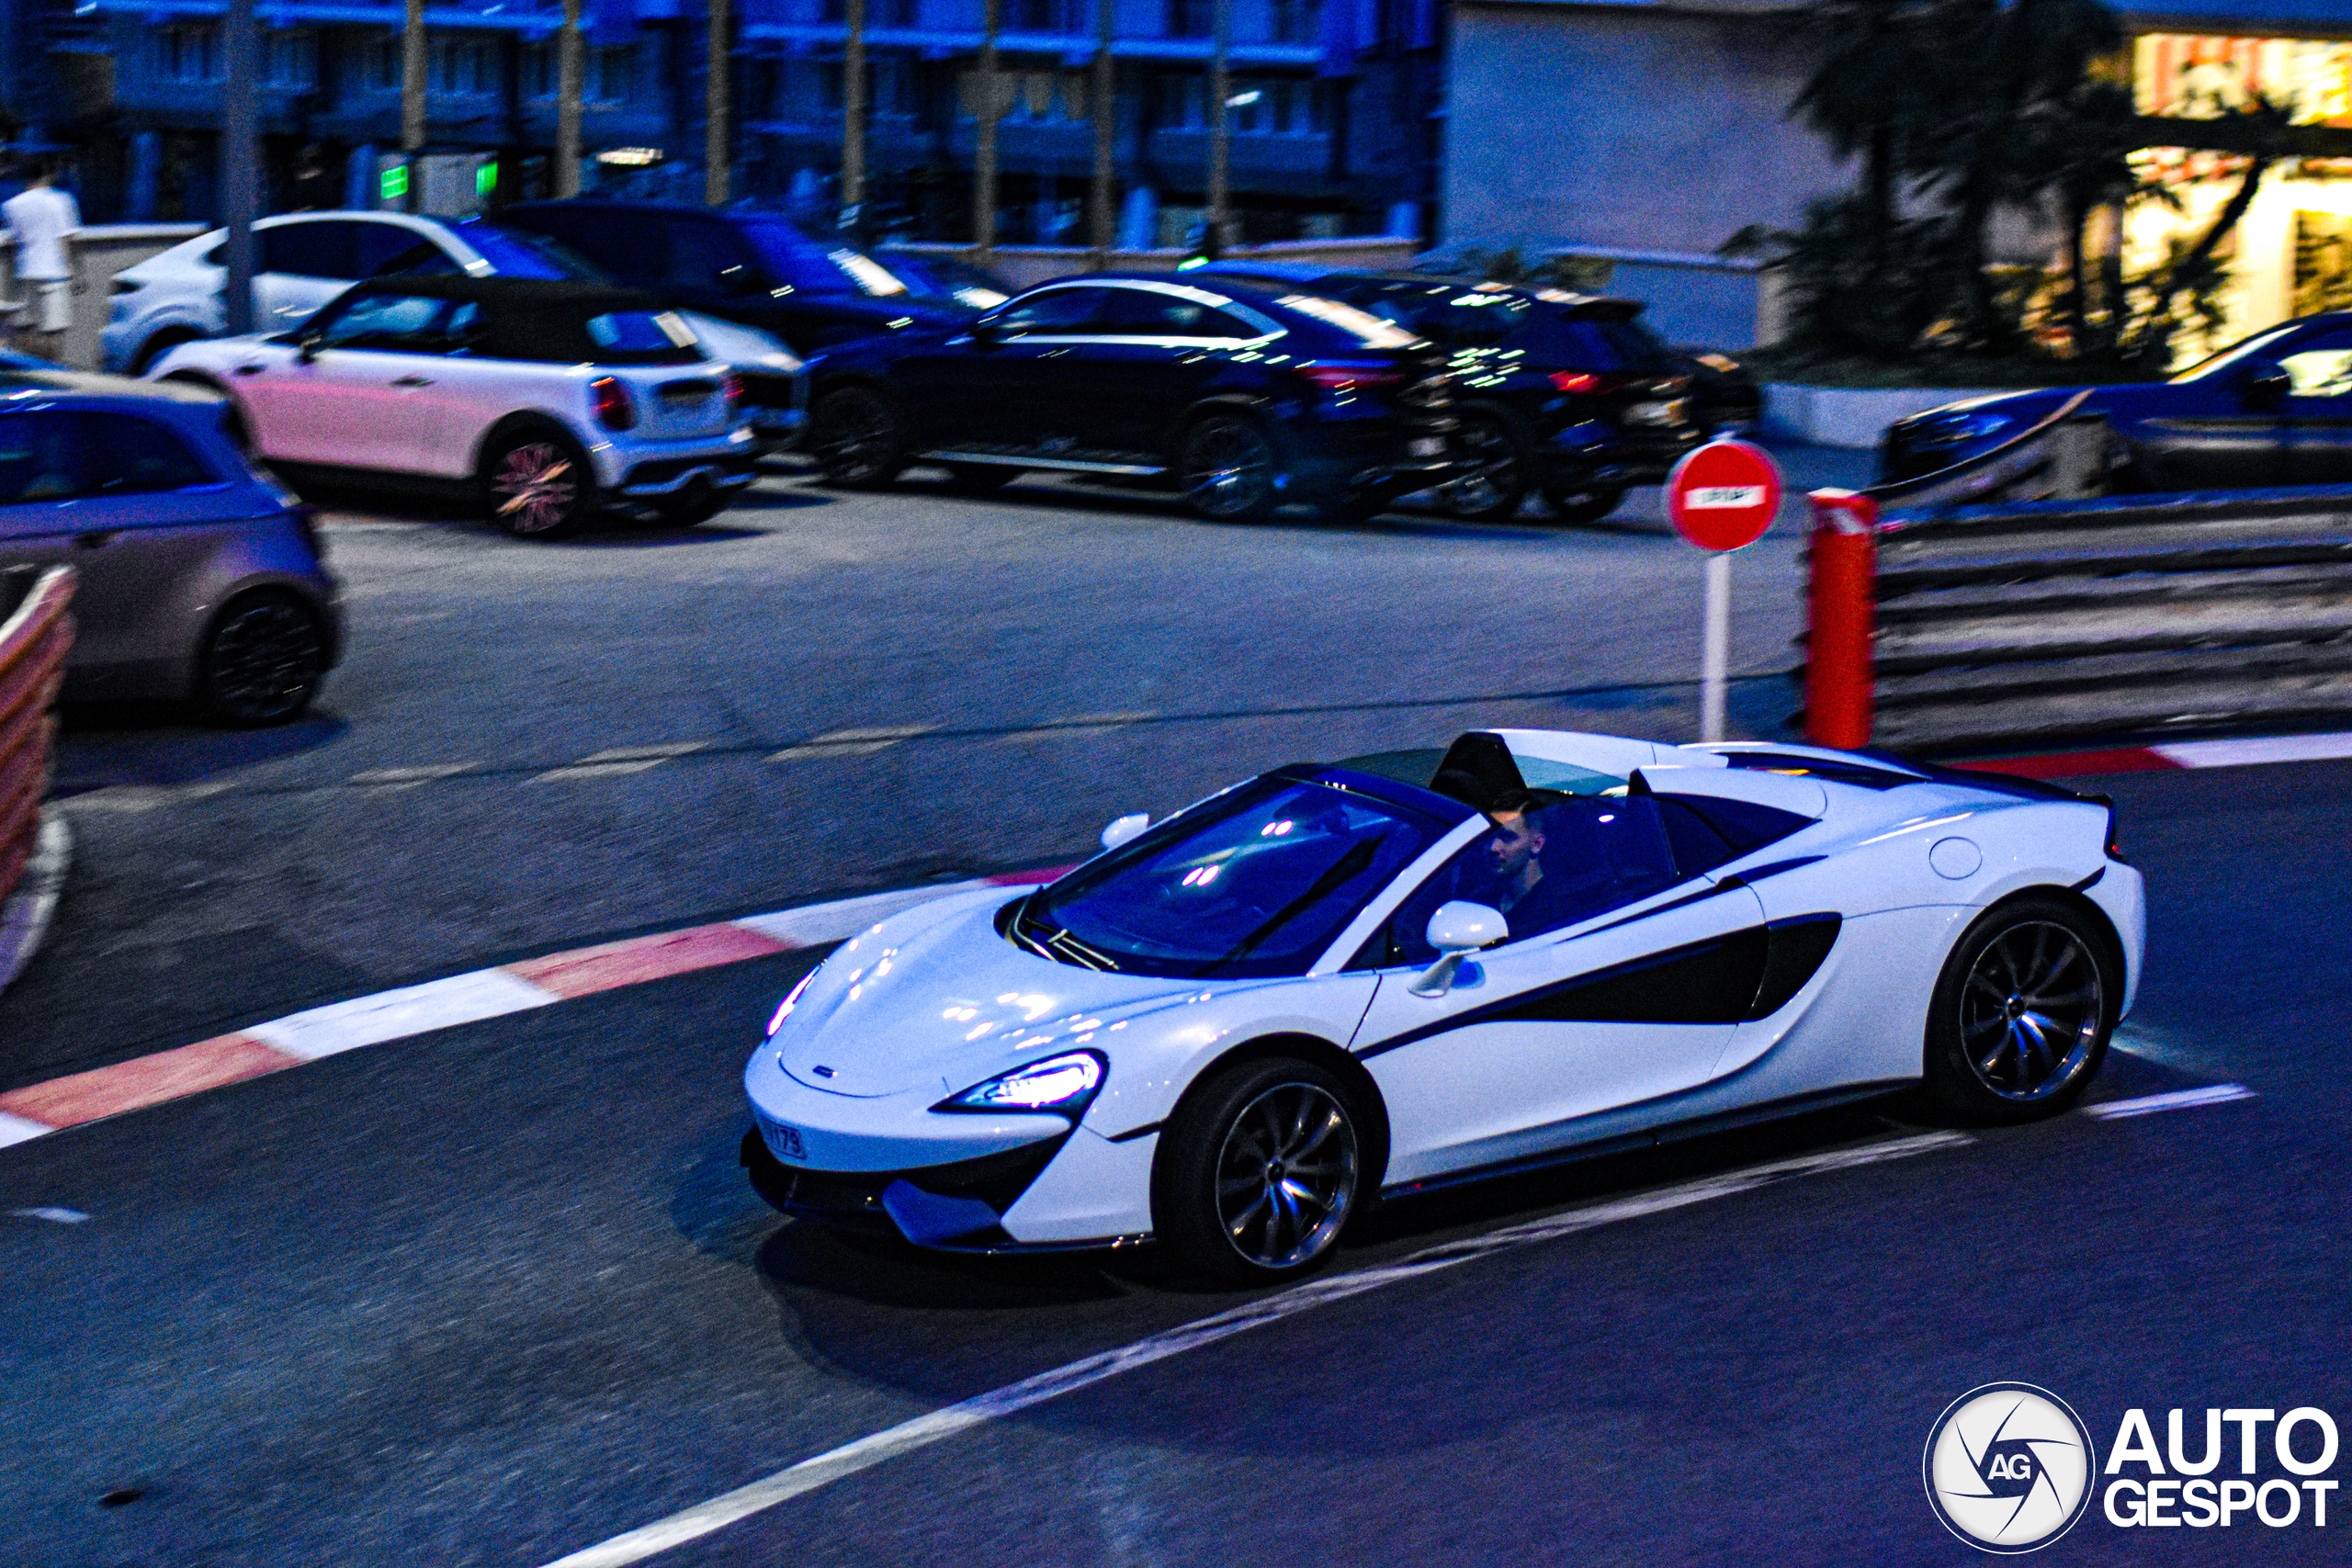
25, 917
38, 1109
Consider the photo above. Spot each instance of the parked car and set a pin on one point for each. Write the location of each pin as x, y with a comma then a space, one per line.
1233, 1030
1247, 397
200, 580
1568, 394
550, 399
1725, 399
2274, 409
307, 259
952, 276
744, 265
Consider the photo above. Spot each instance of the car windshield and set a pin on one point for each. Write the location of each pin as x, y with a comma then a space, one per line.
820, 268
2233, 355
1256, 881
512, 254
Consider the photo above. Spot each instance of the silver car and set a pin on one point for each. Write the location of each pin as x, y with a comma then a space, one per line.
199, 580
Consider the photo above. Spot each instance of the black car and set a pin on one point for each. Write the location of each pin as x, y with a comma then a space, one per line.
2275, 409
1249, 398
747, 267
1564, 393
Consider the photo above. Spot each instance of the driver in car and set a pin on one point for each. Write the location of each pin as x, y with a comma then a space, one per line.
1515, 881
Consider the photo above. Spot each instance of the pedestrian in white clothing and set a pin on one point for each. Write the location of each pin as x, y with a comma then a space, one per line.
43, 220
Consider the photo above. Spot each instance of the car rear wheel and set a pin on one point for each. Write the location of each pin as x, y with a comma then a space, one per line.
1497, 483
1575, 501
540, 485
261, 662
2023, 1013
858, 437
1230, 469
1259, 1172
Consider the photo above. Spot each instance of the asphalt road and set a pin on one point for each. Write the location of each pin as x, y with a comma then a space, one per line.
534, 745
496, 1294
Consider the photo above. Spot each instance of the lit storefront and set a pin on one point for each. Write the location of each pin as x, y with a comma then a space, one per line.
2291, 253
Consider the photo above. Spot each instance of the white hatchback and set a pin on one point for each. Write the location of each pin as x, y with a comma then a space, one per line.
551, 400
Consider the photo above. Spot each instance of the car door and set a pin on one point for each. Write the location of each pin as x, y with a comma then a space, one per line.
1154, 351
41, 475
2214, 432
998, 389
356, 399
1619, 987
2317, 410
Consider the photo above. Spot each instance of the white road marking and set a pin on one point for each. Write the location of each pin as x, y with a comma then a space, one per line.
391, 1015
56, 1216
18, 1129
1082, 725
616, 762
409, 778
2178, 1099
2261, 749
858, 742
143, 797
705, 1518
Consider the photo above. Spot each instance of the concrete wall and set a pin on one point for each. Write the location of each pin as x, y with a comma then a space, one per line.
103, 251
1649, 130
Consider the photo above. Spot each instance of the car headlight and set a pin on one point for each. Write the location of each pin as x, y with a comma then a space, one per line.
1065, 1084
791, 1000
1724, 363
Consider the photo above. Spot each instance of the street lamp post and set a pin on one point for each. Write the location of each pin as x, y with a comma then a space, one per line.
568, 90
984, 117
412, 68
852, 210
1100, 217
239, 179
715, 139
1220, 131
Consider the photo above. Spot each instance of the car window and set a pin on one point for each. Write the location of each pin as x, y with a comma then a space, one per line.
636, 254
43, 456
310, 250
1146, 312
708, 256
375, 245
1056, 312
1256, 881
1544, 868
401, 323
1368, 330
799, 261
641, 337
2320, 366
134, 455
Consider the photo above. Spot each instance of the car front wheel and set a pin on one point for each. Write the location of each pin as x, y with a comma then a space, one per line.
858, 437
261, 662
541, 486
1495, 485
2021, 1014
1259, 1172
1577, 501
1230, 471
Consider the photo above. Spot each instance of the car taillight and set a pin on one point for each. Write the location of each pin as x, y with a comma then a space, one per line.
613, 410
1345, 377
734, 385
1584, 381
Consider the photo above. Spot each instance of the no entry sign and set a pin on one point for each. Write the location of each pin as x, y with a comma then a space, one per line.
1724, 495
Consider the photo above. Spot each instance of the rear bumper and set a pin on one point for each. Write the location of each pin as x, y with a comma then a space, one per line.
669, 476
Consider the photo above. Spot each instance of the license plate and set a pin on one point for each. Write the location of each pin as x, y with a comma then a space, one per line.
784, 1142
1656, 413
683, 397
1427, 447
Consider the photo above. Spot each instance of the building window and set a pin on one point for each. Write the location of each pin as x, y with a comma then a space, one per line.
188, 52
1297, 21
1046, 15
462, 65
607, 75
2190, 76
377, 62
1258, 106
879, 14
1030, 97
289, 59
1192, 18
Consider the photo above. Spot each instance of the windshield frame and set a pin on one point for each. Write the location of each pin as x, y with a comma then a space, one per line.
2223, 359
1035, 923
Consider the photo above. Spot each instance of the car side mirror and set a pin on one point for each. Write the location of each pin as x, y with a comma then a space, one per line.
1121, 828
985, 334
2267, 387
1457, 929
306, 348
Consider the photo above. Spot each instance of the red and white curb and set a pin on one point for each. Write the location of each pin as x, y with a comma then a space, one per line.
262, 1048
2176, 754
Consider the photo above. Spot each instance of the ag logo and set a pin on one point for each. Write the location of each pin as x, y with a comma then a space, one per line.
2008, 1466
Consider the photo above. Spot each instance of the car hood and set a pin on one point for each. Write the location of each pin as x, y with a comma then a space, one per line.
935, 999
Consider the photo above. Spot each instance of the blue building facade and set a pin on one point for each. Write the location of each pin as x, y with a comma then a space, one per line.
1334, 111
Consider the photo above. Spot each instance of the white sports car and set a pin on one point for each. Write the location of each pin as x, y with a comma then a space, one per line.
1230, 1030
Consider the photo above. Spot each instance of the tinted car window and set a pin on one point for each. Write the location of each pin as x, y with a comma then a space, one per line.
1550, 867
1146, 312
1368, 330
42, 457
2320, 366
375, 245
310, 250
636, 254
795, 259
1257, 881
403, 322
708, 256
641, 337
137, 457
1056, 310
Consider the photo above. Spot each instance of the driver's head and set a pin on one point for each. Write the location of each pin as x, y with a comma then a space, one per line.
1516, 841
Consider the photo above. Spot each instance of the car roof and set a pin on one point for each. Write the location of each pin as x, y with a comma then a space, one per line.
530, 293
90, 384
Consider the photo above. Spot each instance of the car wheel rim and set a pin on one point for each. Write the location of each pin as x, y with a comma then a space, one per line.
1286, 1176
1227, 469
265, 659
857, 436
2030, 1012
1494, 477
536, 487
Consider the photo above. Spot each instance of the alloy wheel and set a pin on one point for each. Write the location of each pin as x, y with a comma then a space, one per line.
856, 440
2030, 1011
536, 489
263, 661
1286, 1175
1228, 470
1495, 486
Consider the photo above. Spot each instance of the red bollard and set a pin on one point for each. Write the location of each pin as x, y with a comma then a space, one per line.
1841, 604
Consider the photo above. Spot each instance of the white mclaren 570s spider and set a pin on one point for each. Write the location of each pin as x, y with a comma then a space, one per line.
1232, 1030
